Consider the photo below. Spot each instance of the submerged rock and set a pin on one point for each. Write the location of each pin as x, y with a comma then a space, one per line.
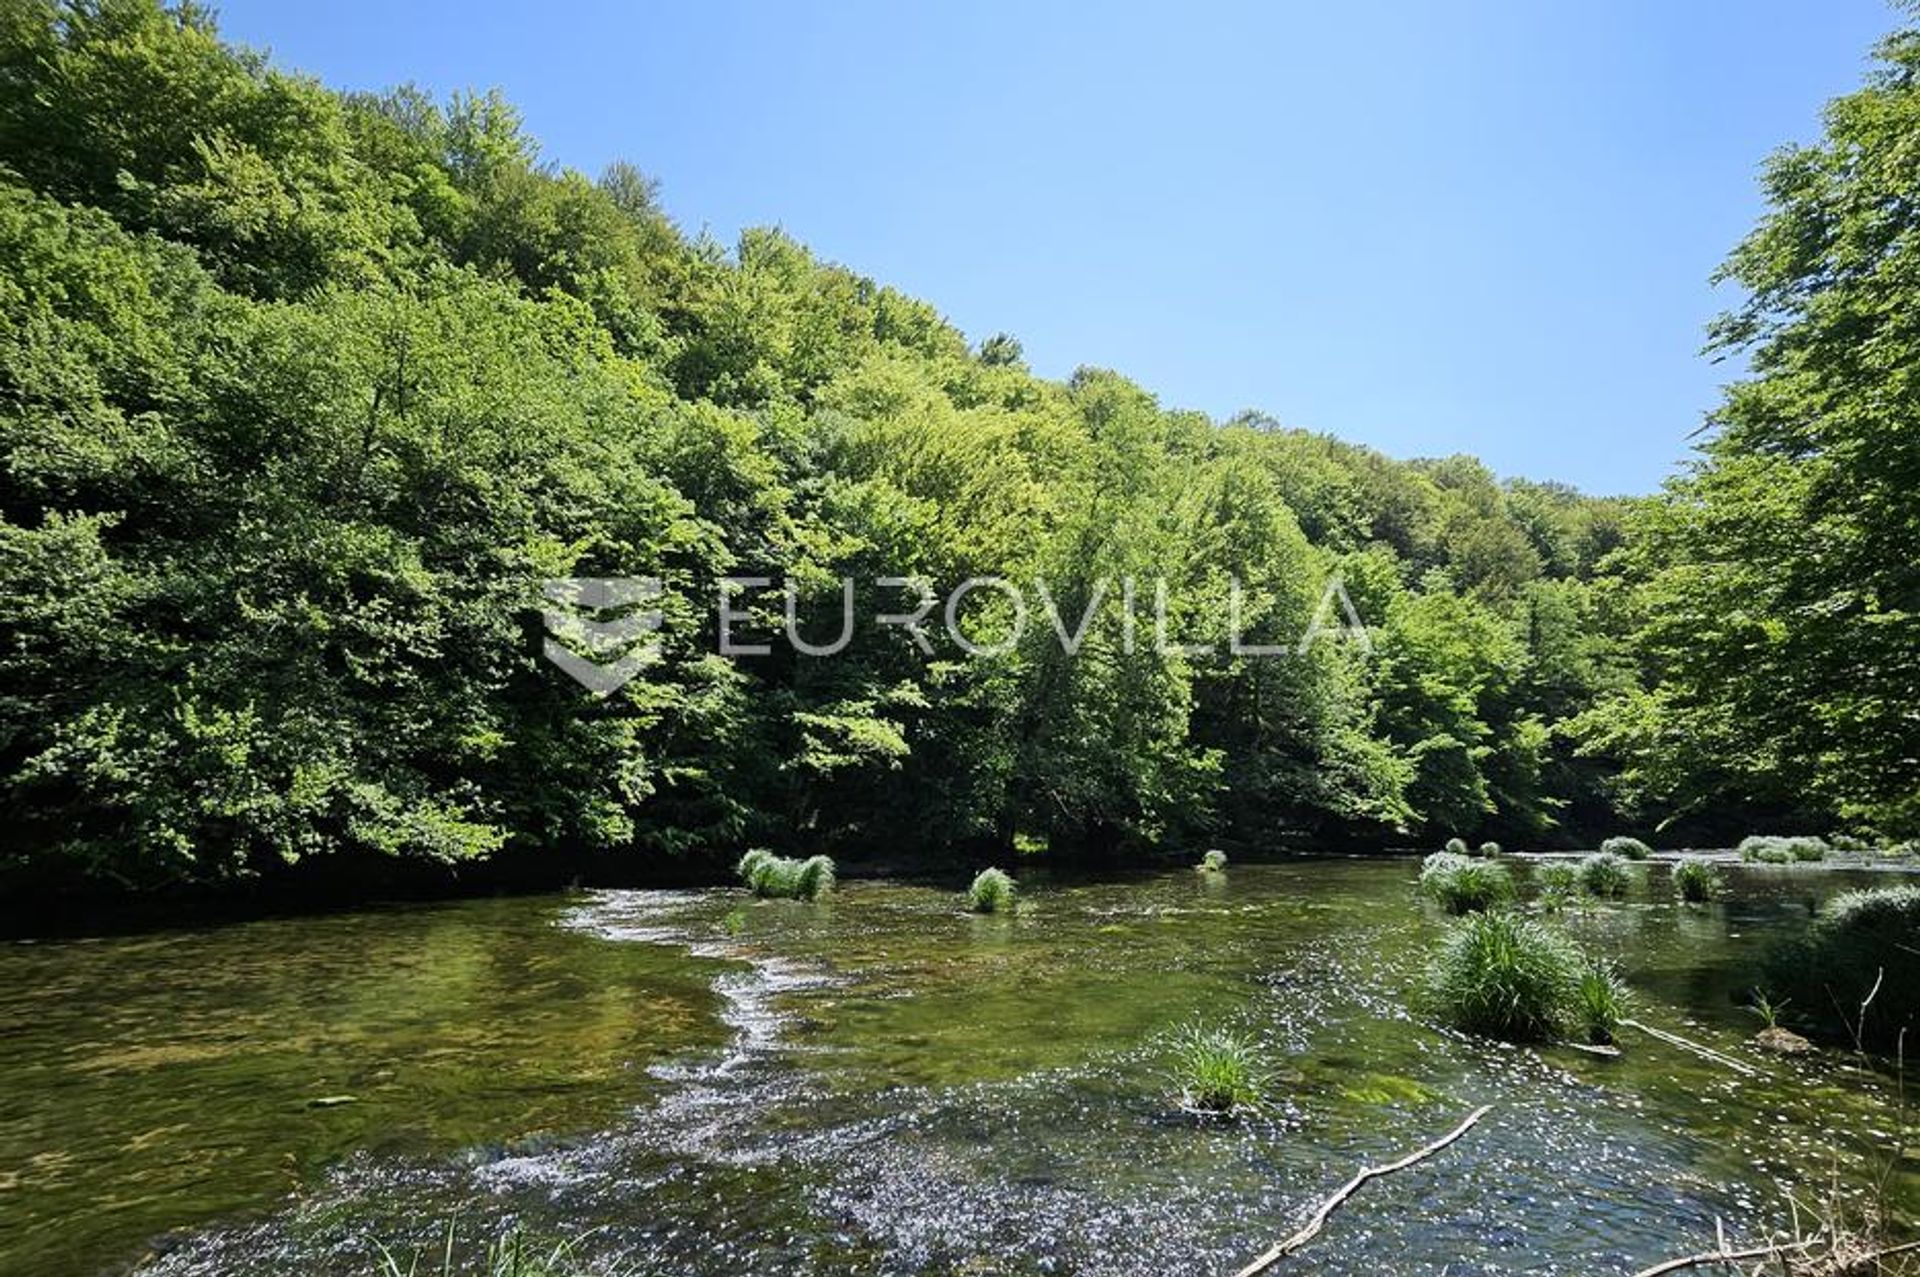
1781, 1041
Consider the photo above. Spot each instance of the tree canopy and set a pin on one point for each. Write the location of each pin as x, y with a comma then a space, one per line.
304, 395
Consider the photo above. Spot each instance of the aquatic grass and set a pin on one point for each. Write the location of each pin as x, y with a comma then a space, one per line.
1214, 861
1600, 1001
1505, 976
781, 877
1487, 850
1461, 885
1217, 1069
1768, 1008
1558, 875
1457, 847
1772, 849
992, 891
1695, 881
1559, 882
512, 1254
816, 877
1856, 973
1626, 848
1605, 874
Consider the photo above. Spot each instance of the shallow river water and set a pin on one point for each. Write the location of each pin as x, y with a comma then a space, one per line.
699, 1083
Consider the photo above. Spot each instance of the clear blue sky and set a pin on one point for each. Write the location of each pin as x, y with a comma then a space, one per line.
1479, 227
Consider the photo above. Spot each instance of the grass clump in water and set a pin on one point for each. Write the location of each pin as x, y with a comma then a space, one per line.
1856, 973
1695, 881
1456, 847
1506, 976
1487, 850
1218, 1070
1559, 884
769, 875
1214, 861
1626, 848
1605, 874
513, 1254
1771, 849
1465, 886
1600, 1001
993, 891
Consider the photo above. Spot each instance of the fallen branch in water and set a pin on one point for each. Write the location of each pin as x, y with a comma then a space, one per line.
1767, 1252
1351, 1187
1685, 1044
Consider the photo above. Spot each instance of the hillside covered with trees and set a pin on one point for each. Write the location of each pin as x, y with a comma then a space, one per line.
303, 395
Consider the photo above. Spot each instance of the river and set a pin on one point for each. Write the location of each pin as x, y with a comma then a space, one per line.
694, 1082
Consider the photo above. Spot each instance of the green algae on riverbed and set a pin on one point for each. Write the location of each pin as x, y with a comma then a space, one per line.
881, 1082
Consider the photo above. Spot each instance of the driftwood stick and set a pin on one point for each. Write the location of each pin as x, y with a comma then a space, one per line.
1724, 1256
1351, 1187
1686, 1044
1721, 1256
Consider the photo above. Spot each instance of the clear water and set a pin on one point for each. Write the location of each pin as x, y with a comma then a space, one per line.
697, 1083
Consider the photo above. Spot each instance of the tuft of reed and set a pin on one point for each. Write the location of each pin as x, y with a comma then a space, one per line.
1457, 847
1626, 848
1214, 861
1605, 874
1217, 1069
1695, 881
1506, 976
512, 1254
1487, 850
1461, 885
778, 876
1771, 849
1600, 1001
992, 891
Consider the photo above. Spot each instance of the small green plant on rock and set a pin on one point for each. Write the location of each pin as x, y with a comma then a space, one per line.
992, 891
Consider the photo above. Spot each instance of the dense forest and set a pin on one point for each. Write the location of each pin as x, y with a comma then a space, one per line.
305, 394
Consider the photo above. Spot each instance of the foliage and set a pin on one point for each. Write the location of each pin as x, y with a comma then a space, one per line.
779, 876
1462, 885
1600, 1000
1767, 1008
1860, 950
1559, 882
1696, 881
307, 394
512, 1254
1626, 848
1770, 589
992, 891
1214, 861
1487, 850
1506, 976
1458, 847
1217, 1069
1769, 849
1605, 874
